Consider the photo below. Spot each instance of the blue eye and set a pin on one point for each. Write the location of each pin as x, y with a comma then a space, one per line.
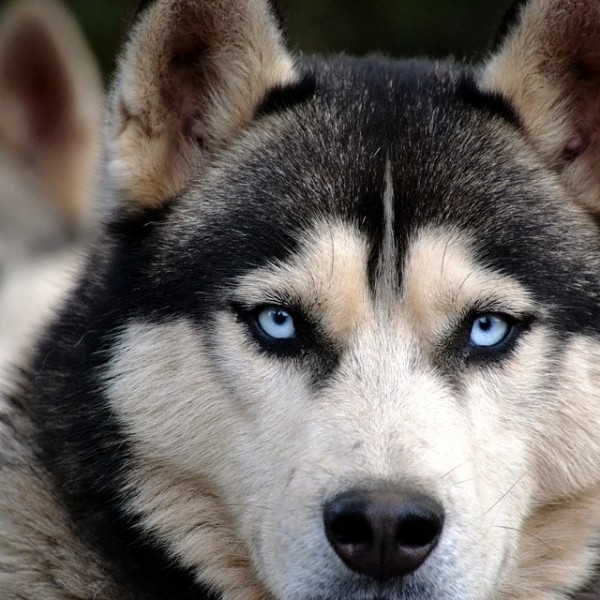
277, 323
489, 330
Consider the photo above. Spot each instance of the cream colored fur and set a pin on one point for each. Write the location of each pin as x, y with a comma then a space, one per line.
32, 291
548, 67
171, 113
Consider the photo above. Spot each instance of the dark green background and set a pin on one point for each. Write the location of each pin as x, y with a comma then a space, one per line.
462, 28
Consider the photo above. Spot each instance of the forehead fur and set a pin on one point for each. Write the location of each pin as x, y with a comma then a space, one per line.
450, 152
387, 147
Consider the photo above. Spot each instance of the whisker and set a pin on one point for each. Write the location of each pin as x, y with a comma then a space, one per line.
534, 537
508, 491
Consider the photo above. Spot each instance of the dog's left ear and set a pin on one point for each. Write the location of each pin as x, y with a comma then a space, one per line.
547, 64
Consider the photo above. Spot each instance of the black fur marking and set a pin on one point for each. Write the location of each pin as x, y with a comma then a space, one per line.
590, 591
510, 20
371, 219
494, 103
142, 222
89, 455
286, 97
81, 443
452, 165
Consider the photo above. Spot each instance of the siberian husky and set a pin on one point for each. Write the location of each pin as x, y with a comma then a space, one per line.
338, 337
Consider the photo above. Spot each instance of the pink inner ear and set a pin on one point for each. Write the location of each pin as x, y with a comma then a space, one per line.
583, 86
576, 146
189, 116
197, 131
33, 70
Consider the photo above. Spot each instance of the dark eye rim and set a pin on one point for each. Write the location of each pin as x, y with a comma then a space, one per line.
517, 326
286, 347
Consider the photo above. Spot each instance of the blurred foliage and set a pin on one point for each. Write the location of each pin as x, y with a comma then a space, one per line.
104, 23
463, 28
396, 27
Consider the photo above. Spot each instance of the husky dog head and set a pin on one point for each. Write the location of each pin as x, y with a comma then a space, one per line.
341, 336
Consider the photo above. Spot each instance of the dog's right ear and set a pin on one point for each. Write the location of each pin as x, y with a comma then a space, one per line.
189, 81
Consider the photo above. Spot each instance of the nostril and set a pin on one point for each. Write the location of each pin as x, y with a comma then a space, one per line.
418, 530
350, 529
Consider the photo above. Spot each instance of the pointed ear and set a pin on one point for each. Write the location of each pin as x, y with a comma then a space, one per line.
50, 102
547, 65
189, 81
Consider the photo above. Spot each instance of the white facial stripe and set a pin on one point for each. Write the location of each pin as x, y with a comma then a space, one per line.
387, 267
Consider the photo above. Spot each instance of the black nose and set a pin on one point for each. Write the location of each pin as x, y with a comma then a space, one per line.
383, 534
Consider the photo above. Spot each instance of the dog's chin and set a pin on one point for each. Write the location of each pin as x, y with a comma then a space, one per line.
410, 588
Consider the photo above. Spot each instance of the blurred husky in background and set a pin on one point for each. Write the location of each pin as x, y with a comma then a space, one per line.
50, 123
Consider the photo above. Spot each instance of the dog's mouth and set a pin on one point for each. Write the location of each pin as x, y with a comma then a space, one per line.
400, 589
362, 596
